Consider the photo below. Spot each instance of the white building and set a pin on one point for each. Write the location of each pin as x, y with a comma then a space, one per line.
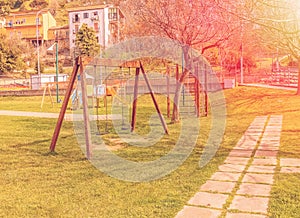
2, 22
106, 20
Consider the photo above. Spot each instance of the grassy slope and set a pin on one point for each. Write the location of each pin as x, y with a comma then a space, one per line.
33, 183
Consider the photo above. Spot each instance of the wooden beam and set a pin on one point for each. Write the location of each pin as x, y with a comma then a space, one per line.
206, 89
168, 92
87, 128
135, 97
64, 105
114, 63
163, 122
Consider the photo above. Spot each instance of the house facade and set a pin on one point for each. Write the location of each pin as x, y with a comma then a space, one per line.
106, 20
62, 37
32, 26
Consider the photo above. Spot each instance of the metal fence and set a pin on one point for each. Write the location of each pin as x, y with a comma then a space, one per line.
35, 82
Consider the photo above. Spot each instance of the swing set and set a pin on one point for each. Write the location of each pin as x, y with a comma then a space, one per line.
79, 67
111, 87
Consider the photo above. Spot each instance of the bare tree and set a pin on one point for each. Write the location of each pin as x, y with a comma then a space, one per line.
277, 23
192, 24
282, 28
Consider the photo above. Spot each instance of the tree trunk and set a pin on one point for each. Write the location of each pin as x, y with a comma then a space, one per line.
175, 115
187, 60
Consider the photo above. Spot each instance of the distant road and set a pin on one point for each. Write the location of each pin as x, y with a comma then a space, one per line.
270, 86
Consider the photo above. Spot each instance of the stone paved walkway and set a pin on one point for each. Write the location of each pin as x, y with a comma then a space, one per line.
290, 165
242, 185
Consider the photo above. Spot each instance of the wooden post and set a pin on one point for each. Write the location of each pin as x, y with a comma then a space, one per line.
168, 91
135, 96
43, 98
206, 90
197, 91
175, 106
49, 90
87, 128
64, 106
163, 122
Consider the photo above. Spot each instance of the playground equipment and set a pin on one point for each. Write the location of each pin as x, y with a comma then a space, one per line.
109, 81
49, 86
79, 66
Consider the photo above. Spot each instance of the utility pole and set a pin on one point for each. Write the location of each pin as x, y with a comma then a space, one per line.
56, 68
37, 42
242, 58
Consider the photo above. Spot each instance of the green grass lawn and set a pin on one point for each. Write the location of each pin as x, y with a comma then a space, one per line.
29, 104
34, 183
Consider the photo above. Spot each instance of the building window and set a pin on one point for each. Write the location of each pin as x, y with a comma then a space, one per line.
24, 20
85, 15
95, 16
76, 29
76, 18
96, 27
113, 14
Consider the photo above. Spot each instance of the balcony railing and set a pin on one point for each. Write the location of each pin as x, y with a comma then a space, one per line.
76, 20
14, 24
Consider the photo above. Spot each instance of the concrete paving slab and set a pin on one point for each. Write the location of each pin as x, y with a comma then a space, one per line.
265, 161
265, 144
237, 160
275, 124
277, 127
270, 142
196, 212
244, 215
250, 204
271, 138
272, 133
261, 169
245, 147
208, 200
265, 153
235, 168
252, 133
240, 153
254, 189
226, 176
258, 178
268, 147
218, 186
273, 129
248, 139
274, 121
246, 144
290, 162
290, 170
254, 130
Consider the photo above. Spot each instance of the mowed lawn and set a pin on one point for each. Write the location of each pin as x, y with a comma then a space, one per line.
34, 183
